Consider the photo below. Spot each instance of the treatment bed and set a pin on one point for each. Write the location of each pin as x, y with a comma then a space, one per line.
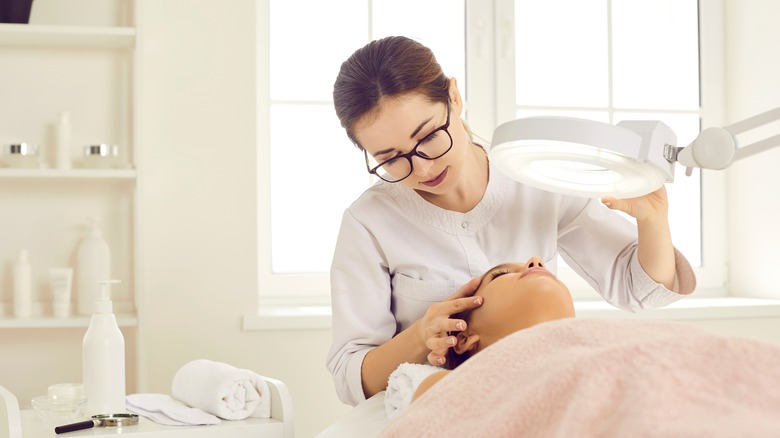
584, 377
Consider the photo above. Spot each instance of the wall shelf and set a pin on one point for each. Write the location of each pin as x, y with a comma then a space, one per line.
123, 320
57, 174
66, 36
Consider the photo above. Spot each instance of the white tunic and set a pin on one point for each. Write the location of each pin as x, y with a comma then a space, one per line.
397, 254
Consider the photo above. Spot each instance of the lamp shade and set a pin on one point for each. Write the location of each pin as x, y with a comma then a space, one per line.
583, 157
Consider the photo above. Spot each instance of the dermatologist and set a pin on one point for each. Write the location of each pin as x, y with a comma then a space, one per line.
412, 247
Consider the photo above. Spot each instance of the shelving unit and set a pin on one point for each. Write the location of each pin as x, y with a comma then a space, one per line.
78, 56
91, 74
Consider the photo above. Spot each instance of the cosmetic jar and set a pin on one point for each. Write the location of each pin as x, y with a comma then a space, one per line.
64, 402
100, 156
20, 155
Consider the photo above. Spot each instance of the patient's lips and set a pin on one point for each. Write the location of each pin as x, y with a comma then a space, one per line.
538, 270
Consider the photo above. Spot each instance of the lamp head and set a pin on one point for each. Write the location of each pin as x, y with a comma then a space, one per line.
583, 157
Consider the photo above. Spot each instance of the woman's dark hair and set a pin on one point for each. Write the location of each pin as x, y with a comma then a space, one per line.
391, 66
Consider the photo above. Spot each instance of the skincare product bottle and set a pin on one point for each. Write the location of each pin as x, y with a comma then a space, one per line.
22, 277
93, 264
60, 281
63, 139
103, 358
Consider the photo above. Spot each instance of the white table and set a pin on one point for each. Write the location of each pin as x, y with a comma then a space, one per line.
280, 425
33, 427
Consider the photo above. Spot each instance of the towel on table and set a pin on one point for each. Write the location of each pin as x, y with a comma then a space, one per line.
163, 409
402, 384
228, 392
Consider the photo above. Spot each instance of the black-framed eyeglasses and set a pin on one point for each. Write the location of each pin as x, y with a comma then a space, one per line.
431, 147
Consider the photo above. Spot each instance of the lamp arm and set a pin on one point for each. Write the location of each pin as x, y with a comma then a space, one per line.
716, 148
757, 147
753, 122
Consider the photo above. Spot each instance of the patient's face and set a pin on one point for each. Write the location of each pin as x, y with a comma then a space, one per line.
517, 296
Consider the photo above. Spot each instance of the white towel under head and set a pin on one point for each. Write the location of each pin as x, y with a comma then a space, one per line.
228, 392
402, 384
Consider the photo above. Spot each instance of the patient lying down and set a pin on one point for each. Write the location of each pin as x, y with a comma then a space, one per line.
515, 296
524, 366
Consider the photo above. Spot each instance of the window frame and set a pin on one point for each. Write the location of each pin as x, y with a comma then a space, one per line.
490, 66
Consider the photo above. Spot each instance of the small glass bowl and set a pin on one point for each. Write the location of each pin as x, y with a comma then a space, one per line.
54, 409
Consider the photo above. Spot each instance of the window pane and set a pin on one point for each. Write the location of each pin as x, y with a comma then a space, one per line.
308, 47
561, 48
685, 192
316, 173
655, 54
599, 116
438, 24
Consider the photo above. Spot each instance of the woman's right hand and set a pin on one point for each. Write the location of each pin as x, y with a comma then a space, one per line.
434, 326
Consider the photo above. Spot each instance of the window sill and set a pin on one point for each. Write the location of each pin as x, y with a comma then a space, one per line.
319, 317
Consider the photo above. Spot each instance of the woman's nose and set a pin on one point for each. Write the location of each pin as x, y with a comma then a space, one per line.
534, 262
421, 166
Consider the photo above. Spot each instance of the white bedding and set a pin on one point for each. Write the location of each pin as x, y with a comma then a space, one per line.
367, 419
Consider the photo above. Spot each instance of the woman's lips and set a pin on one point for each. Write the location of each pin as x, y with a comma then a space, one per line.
536, 271
436, 181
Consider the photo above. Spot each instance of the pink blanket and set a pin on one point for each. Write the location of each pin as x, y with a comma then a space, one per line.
617, 378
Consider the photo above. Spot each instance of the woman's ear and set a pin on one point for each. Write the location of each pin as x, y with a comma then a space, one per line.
467, 341
455, 100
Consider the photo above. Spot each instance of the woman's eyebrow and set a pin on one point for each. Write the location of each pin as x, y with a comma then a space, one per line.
420, 127
415, 132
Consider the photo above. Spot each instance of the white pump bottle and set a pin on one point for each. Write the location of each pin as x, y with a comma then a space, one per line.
93, 264
103, 358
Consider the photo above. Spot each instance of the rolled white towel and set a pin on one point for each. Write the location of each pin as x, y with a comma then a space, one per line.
402, 384
228, 392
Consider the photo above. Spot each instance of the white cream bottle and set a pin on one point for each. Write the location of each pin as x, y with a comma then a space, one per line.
93, 265
22, 278
63, 138
103, 359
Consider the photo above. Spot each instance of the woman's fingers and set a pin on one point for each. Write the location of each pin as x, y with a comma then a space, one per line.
436, 323
467, 289
646, 207
440, 344
453, 306
436, 359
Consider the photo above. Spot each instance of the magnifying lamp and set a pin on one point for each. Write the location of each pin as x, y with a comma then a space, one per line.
587, 158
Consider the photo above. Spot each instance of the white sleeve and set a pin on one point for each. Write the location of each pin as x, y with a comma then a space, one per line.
601, 247
360, 298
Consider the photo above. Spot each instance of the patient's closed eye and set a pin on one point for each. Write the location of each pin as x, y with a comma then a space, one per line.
496, 274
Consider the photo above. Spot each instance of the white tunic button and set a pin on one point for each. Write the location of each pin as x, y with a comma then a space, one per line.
464, 225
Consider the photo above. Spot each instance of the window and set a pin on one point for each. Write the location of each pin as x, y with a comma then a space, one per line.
607, 60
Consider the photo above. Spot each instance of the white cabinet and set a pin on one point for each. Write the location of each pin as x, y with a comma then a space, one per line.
77, 56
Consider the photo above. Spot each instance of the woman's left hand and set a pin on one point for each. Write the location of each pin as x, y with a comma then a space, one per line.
656, 253
651, 207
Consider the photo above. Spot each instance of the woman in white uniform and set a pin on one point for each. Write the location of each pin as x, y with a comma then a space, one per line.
411, 248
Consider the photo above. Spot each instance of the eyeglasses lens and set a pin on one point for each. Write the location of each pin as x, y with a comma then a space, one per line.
431, 147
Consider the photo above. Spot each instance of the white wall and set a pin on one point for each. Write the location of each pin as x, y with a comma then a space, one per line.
753, 78
198, 243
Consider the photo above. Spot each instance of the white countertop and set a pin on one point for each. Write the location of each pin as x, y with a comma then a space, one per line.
33, 427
